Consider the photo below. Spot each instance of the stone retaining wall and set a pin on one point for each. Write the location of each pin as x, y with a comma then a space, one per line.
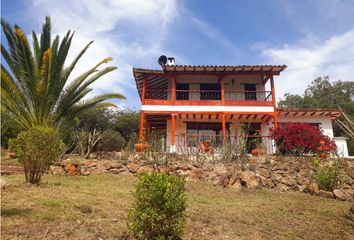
278, 173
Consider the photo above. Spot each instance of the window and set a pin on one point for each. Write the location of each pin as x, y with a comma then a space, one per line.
250, 91
210, 91
182, 92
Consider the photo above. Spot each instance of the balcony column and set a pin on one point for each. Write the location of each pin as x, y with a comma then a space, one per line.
141, 130
275, 115
222, 90
173, 89
147, 130
173, 126
223, 123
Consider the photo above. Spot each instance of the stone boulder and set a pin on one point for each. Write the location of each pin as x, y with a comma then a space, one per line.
301, 180
220, 169
288, 181
249, 180
325, 194
312, 188
225, 179
56, 170
196, 173
345, 193
145, 169
133, 167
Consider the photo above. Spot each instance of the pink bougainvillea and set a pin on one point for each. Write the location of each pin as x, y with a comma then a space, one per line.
295, 138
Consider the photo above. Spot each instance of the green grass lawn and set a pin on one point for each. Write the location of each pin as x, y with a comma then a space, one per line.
96, 207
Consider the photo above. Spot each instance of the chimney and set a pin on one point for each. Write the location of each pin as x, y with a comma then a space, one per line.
171, 61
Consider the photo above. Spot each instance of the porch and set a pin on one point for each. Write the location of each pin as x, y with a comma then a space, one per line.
194, 133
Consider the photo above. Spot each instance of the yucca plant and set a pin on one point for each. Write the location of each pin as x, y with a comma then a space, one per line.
35, 89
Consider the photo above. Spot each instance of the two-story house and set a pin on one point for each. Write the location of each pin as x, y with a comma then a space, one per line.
182, 106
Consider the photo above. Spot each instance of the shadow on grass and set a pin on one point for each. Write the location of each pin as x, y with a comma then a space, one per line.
15, 211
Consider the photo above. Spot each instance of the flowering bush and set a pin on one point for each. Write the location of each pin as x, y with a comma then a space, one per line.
300, 138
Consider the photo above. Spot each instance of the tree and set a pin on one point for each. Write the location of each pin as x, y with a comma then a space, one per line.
127, 123
321, 93
35, 89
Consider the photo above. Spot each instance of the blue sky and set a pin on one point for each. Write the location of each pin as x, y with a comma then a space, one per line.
136, 32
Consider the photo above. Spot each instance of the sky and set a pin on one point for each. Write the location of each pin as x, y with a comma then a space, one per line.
313, 38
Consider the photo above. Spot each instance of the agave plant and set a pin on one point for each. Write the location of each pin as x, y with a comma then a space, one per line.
36, 89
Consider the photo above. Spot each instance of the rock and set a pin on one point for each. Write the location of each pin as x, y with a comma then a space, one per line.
146, 169
275, 177
312, 188
302, 180
288, 181
249, 179
183, 173
56, 170
116, 165
184, 166
116, 170
302, 188
11, 155
281, 187
344, 194
3, 183
133, 167
85, 173
264, 172
89, 163
326, 194
225, 179
351, 173
236, 185
196, 173
220, 169
164, 170
267, 182
72, 169
351, 210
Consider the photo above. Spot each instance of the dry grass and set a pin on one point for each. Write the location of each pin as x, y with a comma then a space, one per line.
96, 207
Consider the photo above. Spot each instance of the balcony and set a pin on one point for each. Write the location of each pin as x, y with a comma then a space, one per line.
208, 97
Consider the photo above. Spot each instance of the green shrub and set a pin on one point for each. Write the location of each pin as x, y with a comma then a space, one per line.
36, 149
112, 140
328, 178
159, 206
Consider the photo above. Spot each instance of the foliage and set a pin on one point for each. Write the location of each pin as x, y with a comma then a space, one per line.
322, 93
328, 178
235, 150
35, 90
9, 129
36, 149
112, 140
127, 122
299, 138
159, 206
86, 141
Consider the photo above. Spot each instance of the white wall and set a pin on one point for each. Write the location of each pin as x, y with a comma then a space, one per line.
325, 122
341, 143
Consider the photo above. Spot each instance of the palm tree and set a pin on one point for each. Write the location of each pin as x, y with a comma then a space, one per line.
35, 89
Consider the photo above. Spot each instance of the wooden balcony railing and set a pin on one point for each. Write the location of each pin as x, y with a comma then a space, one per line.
200, 95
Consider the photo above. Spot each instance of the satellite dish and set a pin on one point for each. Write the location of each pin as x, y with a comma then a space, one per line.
162, 60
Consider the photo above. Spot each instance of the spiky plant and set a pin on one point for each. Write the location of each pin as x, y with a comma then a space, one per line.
36, 89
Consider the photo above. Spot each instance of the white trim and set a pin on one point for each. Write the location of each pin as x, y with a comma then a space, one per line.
179, 108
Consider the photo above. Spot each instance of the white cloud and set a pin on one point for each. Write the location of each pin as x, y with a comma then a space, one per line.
307, 60
145, 26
